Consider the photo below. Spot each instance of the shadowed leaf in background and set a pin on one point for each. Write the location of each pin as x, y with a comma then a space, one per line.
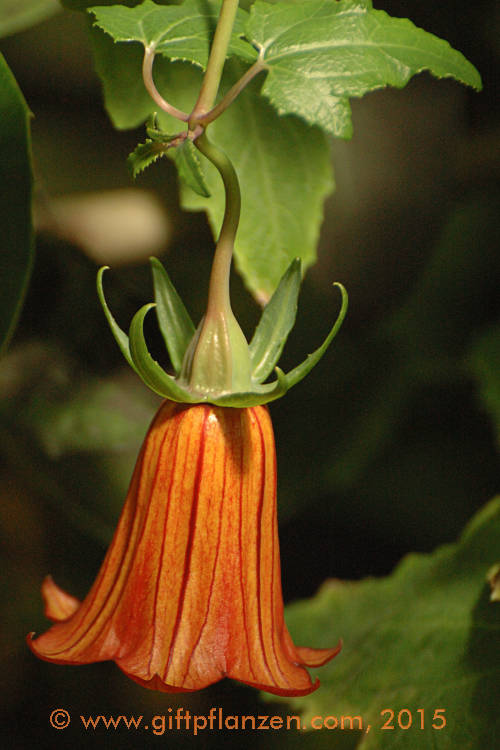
16, 255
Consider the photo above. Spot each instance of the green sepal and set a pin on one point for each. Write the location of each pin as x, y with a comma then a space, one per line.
275, 324
174, 321
262, 394
298, 373
121, 337
147, 368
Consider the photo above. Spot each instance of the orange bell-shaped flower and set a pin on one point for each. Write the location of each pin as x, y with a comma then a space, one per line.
190, 589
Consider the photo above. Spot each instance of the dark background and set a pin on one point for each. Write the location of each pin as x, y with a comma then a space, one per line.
388, 447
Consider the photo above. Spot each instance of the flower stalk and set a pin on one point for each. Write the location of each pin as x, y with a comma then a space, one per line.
218, 294
218, 360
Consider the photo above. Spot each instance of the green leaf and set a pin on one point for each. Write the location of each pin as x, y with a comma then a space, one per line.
18, 15
189, 168
426, 637
176, 326
319, 53
145, 154
155, 133
119, 68
179, 32
275, 324
16, 256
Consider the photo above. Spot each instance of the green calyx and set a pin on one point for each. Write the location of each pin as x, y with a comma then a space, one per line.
215, 364
217, 359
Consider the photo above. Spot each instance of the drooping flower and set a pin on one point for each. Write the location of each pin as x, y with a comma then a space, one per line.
190, 589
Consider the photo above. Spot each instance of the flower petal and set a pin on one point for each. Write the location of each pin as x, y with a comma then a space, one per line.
58, 604
316, 657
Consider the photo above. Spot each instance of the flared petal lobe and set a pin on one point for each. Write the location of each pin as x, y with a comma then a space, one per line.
190, 589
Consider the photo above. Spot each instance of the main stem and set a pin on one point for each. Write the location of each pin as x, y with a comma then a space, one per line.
217, 57
218, 290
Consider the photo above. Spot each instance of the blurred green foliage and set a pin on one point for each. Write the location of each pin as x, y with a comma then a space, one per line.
17, 15
15, 201
389, 447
